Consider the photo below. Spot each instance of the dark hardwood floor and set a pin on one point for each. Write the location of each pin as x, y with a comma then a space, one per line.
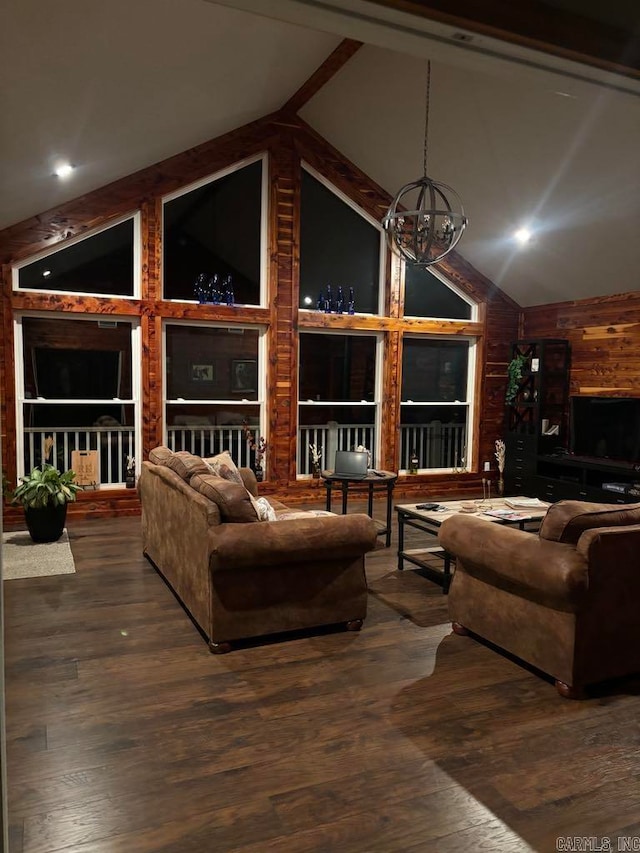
125, 735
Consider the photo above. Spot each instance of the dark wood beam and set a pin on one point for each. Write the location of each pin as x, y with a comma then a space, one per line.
534, 24
329, 68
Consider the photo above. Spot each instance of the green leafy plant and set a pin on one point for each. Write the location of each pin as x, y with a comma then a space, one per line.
514, 376
46, 486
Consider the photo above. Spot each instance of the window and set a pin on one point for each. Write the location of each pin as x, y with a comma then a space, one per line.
78, 389
216, 229
428, 295
437, 382
106, 262
338, 393
339, 246
214, 388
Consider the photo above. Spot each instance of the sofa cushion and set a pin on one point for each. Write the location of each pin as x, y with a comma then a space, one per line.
185, 464
159, 455
566, 521
223, 466
234, 501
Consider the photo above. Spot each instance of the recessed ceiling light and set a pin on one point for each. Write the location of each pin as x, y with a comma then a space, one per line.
63, 170
46, 273
522, 236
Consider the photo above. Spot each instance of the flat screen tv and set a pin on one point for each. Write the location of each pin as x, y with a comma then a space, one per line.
605, 428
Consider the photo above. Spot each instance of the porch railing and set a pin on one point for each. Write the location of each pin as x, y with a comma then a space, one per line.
211, 440
113, 443
437, 445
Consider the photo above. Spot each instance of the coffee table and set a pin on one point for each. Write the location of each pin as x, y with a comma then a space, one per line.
429, 522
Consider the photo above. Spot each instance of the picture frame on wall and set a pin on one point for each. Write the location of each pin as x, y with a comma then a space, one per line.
244, 376
202, 373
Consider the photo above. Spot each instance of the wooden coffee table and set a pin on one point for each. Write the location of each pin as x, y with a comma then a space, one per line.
429, 522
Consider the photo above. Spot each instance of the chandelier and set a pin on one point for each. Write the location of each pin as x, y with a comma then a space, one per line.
426, 218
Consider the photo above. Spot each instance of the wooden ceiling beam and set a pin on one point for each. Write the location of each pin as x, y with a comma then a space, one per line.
536, 25
329, 68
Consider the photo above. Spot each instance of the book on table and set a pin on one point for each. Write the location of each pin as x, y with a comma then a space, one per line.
524, 503
506, 514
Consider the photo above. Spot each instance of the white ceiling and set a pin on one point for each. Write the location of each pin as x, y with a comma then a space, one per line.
117, 86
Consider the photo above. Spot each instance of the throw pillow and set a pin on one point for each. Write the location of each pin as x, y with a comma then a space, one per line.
234, 501
265, 511
185, 464
223, 466
159, 455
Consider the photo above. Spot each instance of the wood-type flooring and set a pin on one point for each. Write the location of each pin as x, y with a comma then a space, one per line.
126, 735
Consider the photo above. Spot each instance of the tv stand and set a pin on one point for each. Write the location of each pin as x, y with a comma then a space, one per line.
583, 478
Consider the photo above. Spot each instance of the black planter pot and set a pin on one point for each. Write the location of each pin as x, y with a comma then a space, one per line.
47, 523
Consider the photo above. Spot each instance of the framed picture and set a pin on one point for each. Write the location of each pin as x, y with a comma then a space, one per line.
201, 373
244, 376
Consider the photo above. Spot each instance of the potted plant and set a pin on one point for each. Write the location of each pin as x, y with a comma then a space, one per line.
44, 494
515, 371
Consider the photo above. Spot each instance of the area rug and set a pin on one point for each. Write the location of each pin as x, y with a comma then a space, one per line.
23, 558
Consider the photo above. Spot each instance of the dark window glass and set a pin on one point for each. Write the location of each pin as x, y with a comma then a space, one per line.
337, 367
338, 247
210, 363
215, 230
76, 359
434, 371
426, 296
102, 263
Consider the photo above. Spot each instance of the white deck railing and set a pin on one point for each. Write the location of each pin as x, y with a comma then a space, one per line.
113, 443
211, 440
437, 445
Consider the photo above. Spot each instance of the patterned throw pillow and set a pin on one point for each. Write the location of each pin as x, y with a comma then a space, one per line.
265, 511
223, 466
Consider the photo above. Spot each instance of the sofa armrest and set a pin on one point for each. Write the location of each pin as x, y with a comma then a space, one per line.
516, 560
267, 543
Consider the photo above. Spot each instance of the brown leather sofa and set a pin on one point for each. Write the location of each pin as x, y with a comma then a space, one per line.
240, 577
564, 600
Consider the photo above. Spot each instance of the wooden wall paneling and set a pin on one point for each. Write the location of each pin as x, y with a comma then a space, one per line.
285, 260
390, 415
604, 333
69, 303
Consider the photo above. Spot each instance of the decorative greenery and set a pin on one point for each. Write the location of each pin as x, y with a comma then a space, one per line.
46, 486
514, 375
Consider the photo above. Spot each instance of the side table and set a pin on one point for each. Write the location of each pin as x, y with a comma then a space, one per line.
380, 482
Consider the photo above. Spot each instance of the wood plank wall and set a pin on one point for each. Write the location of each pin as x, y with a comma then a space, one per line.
604, 333
287, 140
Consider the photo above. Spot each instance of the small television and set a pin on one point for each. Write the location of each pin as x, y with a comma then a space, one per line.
605, 428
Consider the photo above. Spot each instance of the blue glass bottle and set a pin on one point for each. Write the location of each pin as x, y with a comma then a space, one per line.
200, 287
214, 291
228, 291
320, 302
339, 301
352, 302
328, 302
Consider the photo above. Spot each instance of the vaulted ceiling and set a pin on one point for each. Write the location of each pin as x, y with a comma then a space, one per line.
528, 131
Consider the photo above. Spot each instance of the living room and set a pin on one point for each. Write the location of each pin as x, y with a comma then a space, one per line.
262, 364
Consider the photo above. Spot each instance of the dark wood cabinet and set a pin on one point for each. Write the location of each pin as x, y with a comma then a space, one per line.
537, 409
538, 463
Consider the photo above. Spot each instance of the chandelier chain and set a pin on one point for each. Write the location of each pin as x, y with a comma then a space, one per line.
426, 117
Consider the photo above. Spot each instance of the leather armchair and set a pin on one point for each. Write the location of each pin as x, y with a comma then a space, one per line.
564, 600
